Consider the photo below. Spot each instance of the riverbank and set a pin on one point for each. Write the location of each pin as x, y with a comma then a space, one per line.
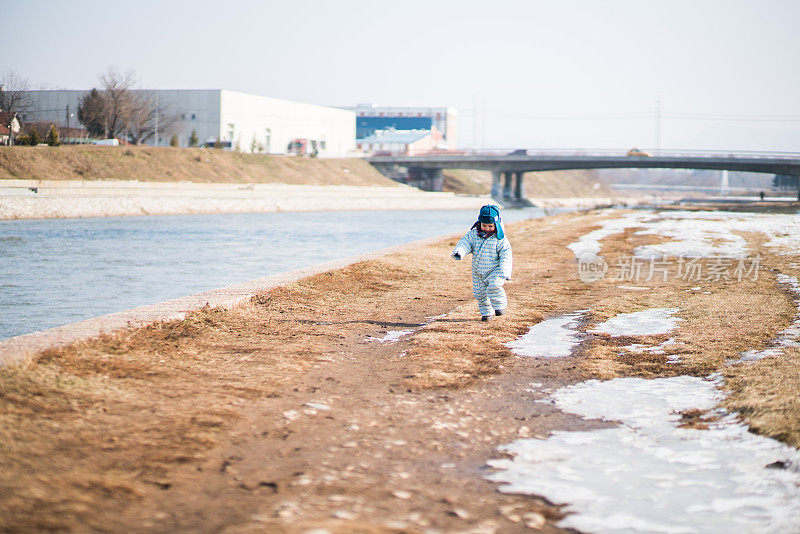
81, 181
377, 395
29, 199
37, 199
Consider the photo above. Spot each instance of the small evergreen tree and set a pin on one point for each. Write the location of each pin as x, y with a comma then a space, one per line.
33, 137
91, 113
52, 136
193, 140
173, 141
253, 143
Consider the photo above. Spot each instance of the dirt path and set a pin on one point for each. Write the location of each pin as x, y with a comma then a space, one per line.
283, 416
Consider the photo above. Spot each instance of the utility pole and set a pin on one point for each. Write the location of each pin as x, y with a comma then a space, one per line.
67, 124
658, 126
155, 141
483, 130
475, 121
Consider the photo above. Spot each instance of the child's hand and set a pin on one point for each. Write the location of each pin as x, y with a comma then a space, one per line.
456, 255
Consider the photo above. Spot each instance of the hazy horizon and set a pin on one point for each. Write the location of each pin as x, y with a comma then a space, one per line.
574, 74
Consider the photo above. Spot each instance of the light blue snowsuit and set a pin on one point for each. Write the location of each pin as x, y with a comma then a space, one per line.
491, 267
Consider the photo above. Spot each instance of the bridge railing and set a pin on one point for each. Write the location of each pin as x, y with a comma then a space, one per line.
604, 152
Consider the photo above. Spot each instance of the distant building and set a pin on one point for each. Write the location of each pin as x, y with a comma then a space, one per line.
232, 119
9, 125
401, 142
371, 118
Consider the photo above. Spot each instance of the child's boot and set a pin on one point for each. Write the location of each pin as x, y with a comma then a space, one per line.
486, 318
500, 312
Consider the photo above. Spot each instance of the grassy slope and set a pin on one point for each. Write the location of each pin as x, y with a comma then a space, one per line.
178, 164
555, 184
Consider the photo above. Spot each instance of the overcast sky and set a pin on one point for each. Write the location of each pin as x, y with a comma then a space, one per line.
555, 74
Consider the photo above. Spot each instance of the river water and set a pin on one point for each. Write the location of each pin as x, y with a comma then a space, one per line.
59, 271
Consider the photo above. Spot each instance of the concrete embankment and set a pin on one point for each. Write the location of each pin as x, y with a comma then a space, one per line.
35, 199
25, 199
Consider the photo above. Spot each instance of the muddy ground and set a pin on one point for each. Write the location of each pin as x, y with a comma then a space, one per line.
282, 415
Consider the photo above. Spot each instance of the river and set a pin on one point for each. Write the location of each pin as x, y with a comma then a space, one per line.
59, 271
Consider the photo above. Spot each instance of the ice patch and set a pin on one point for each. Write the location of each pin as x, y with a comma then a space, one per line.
317, 406
786, 338
661, 348
697, 233
391, 336
552, 338
702, 234
692, 238
650, 475
642, 323
590, 243
635, 288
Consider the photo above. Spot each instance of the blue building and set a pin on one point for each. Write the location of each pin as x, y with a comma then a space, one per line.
371, 119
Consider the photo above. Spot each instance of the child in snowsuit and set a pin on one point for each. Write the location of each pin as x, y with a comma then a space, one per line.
491, 261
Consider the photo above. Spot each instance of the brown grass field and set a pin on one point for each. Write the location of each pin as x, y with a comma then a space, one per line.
176, 164
204, 425
164, 164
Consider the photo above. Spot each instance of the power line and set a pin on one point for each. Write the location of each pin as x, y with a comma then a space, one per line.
648, 115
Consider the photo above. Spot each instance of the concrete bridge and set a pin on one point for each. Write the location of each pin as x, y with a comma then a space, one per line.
507, 169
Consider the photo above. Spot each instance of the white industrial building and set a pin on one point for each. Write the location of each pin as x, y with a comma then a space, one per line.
239, 120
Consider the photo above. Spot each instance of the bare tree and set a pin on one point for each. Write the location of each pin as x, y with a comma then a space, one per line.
13, 97
145, 112
118, 99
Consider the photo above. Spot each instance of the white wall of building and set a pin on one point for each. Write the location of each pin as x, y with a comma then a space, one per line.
226, 115
274, 123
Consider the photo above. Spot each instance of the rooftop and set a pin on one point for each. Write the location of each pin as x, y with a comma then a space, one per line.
395, 136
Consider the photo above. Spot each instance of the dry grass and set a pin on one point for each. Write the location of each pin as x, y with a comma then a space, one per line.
720, 321
545, 184
176, 164
103, 419
107, 420
765, 394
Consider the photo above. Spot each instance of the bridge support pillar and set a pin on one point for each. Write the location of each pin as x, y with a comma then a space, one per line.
507, 184
435, 179
519, 185
425, 179
497, 180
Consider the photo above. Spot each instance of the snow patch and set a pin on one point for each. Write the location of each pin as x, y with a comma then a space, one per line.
697, 233
705, 233
551, 338
635, 288
649, 474
590, 243
391, 336
642, 323
661, 348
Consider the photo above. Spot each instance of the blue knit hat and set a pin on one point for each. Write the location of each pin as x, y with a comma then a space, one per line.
490, 214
